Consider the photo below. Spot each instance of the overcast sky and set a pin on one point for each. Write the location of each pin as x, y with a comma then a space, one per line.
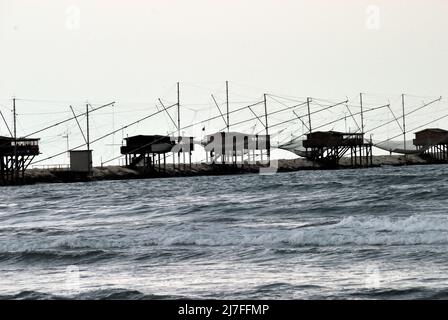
57, 52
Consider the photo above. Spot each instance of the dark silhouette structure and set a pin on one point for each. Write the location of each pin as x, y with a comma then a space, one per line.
328, 147
15, 157
237, 148
147, 150
433, 144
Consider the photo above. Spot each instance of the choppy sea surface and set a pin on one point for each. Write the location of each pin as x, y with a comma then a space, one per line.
379, 233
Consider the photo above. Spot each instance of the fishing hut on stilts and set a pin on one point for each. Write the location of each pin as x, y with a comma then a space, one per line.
433, 144
150, 152
16, 154
15, 157
329, 147
237, 148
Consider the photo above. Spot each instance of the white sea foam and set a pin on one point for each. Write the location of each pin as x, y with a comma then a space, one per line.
349, 231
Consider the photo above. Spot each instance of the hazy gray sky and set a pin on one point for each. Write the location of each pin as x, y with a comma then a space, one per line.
135, 51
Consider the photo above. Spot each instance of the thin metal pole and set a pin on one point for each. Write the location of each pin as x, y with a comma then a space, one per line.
16, 160
88, 127
79, 125
404, 128
362, 113
88, 140
163, 106
178, 110
6, 123
113, 129
14, 115
178, 121
308, 101
268, 142
227, 103
219, 109
66, 120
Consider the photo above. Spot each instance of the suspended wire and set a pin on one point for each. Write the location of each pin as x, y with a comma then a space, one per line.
274, 112
6, 124
41, 113
337, 120
286, 98
108, 134
413, 129
310, 114
186, 127
406, 114
66, 120
274, 97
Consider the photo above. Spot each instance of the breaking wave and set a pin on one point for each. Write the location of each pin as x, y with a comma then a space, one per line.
349, 231
105, 294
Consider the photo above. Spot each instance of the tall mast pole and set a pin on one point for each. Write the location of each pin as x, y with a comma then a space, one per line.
308, 101
268, 140
88, 140
178, 110
404, 126
178, 121
88, 126
16, 160
227, 102
362, 113
14, 117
